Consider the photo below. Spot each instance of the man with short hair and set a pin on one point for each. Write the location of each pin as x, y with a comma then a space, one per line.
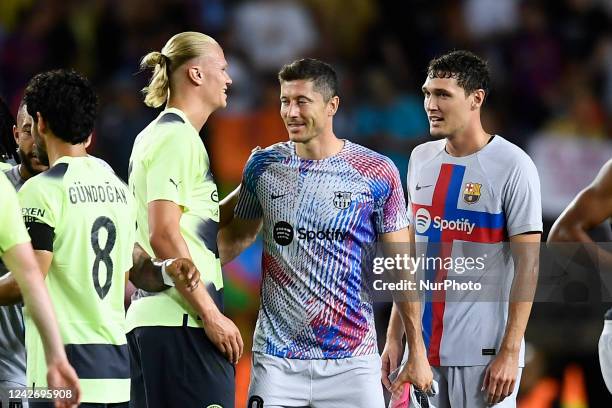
29, 165
81, 220
465, 189
322, 201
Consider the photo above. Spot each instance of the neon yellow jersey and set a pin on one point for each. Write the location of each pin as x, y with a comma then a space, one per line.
85, 215
169, 162
13, 231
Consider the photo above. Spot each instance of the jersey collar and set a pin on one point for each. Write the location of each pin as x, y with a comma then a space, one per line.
178, 112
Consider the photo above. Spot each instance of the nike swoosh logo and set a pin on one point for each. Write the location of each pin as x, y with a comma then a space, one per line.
275, 196
420, 187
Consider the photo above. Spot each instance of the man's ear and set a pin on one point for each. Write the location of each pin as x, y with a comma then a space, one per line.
16, 134
195, 75
332, 105
478, 98
41, 124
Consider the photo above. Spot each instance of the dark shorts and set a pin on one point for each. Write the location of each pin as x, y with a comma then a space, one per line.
178, 367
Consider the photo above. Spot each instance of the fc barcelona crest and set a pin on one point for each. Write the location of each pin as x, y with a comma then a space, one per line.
342, 199
471, 192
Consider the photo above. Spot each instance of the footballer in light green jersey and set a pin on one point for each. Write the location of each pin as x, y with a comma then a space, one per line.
157, 174
80, 217
84, 215
178, 216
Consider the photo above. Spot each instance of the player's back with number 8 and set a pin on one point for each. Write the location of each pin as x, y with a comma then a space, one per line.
81, 219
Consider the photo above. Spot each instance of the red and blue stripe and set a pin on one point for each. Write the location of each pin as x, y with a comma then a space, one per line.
489, 228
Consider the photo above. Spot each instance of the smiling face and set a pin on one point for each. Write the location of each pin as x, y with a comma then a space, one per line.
304, 110
216, 80
448, 108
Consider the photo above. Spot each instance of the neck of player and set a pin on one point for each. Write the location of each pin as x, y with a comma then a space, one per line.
470, 141
196, 111
320, 147
57, 148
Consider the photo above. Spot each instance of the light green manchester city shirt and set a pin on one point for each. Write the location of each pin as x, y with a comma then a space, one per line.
12, 230
85, 215
169, 162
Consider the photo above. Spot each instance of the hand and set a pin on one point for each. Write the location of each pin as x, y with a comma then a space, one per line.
391, 356
416, 371
183, 271
224, 334
60, 374
500, 377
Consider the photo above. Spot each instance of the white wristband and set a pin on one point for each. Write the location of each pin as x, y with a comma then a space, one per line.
165, 277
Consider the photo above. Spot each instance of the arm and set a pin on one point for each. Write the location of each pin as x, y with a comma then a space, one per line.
21, 260
167, 242
226, 207
405, 318
235, 234
591, 207
500, 376
146, 272
10, 290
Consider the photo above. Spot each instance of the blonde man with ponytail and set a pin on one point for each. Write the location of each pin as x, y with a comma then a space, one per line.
182, 347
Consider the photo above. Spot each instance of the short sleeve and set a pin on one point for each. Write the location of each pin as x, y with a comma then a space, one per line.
173, 168
522, 199
39, 210
13, 231
248, 206
390, 214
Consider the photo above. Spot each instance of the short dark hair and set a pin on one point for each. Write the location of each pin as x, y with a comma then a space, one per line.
470, 71
67, 102
322, 74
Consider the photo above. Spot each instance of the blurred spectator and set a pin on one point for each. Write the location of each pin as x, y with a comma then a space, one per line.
274, 32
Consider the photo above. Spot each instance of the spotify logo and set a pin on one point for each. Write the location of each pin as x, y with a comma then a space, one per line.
283, 233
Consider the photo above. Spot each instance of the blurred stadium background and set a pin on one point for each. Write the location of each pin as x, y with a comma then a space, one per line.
551, 62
